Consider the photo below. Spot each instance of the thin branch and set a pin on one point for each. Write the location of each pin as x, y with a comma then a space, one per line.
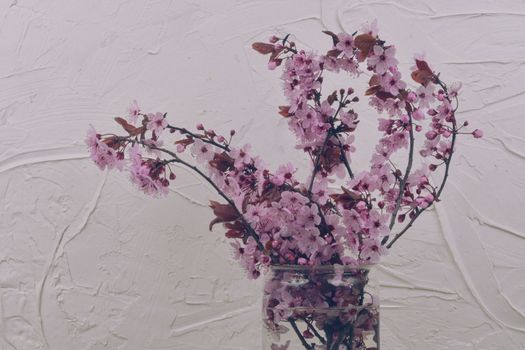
314, 331
185, 131
344, 158
445, 176
405, 177
298, 332
318, 157
318, 161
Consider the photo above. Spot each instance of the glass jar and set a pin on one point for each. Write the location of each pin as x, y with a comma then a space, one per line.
329, 307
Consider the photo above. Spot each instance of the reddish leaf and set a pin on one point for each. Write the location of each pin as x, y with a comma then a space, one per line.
372, 90
374, 80
276, 53
234, 234
131, 130
384, 95
335, 38
223, 213
236, 225
186, 142
333, 53
375, 85
347, 199
263, 48
112, 142
422, 65
222, 162
351, 194
422, 76
284, 111
365, 43
332, 97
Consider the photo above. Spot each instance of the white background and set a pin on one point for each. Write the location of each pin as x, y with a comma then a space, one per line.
87, 262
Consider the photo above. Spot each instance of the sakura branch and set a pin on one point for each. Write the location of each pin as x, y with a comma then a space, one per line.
337, 215
273, 217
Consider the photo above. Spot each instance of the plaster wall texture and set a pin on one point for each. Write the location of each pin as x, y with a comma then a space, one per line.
88, 263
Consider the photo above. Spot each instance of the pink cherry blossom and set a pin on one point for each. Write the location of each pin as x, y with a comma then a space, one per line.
103, 155
145, 174
345, 44
477, 133
372, 250
202, 151
156, 122
133, 112
392, 82
382, 59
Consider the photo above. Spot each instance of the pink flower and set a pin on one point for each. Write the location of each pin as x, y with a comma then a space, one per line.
241, 156
382, 59
477, 133
320, 191
417, 114
202, 151
146, 174
372, 250
133, 112
392, 83
156, 122
103, 155
425, 95
345, 44
284, 173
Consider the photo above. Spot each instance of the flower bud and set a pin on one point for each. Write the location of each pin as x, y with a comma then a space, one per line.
477, 133
418, 114
432, 112
411, 97
431, 135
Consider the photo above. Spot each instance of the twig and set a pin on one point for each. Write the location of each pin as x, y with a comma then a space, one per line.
185, 131
445, 176
315, 332
405, 177
298, 332
344, 158
318, 158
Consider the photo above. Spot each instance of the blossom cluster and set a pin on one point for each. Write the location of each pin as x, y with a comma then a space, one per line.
274, 217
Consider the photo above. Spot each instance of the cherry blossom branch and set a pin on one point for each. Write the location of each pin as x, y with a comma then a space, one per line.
405, 176
445, 176
323, 148
176, 159
344, 158
185, 131
318, 161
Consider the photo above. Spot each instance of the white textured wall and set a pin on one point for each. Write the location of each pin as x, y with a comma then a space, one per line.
86, 262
